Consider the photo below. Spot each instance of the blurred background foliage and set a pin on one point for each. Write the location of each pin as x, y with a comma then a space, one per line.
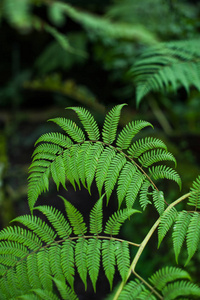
56, 54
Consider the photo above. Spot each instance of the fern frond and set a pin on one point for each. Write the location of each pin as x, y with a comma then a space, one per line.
180, 288
116, 220
68, 165
154, 156
56, 138
143, 145
167, 65
122, 258
32, 271
159, 201
114, 169
45, 294
110, 124
134, 188
143, 199
108, 260
55, 261
103, 166
194, 199
168, 274
13, 248
57, 219
96, 217
129, 131
65, 292
81, 158
58, 171
132, 290
166, 221
74, 151
44, 268
162, 171
45, 232
67, 261
47, 148
75, 218
124, 181
193, 235
179, 231
81, 259
88, 122
70, 128
93, 259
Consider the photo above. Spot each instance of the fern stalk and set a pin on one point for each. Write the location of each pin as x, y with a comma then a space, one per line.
143, 245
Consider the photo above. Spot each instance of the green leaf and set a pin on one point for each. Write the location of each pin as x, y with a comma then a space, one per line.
159, 201
194, 199
166, 221
81, 259
96, 217
123, 258
108, 259
93, 260
193, 235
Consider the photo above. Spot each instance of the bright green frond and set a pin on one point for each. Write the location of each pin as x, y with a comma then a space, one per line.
159, 201
116, 220
75, 218
68, 164
47, 148
165, 275
124, 181
70, 128
32, 271
57, 219
93, 259
43, 156
67, 261
81, 158
45, 294
108, 259
154, 156
64, 290
39, 227
81, 259
194, 199
144, 193
179, 231
13, 248
88, 122
134, 188
181, 288
55, 138
96, 217
132, 290
114, 169
58, 171
122, 258
193, 235
74, 152
127, 134
110, 124
143, 145
103, 166
166, 221
43, 264
162, 171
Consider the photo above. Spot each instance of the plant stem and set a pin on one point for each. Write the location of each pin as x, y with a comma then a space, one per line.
144, 243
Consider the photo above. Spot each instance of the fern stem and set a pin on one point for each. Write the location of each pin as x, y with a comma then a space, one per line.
144, 243
148, 285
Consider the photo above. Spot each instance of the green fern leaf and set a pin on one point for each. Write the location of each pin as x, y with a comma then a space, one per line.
93, 259
67, 165
143, 145
124, 181
32, 271
81, 259
58, 171
47, 148
40, 228
180, 230
123, 258
159, 201
132, 290
166, 275
193, 235
194, 199
166, 221
154, 156
158, 172
55, 261
103, 166
67, 261
57, 219
88, 122
13, 248
82, 154
70, 128
110, 125
129, 131
55, 138
74, 151
75, 218
45, 294
44, 269
96, 217
134, 188
65, 292
114, 169
143, 199
108, 260
116, 220
180, 288
91, 162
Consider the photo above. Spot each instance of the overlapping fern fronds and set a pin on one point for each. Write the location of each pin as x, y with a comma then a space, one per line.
167, 66
42, 258
82, 155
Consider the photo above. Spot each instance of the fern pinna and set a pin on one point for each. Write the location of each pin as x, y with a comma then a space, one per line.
118, 159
